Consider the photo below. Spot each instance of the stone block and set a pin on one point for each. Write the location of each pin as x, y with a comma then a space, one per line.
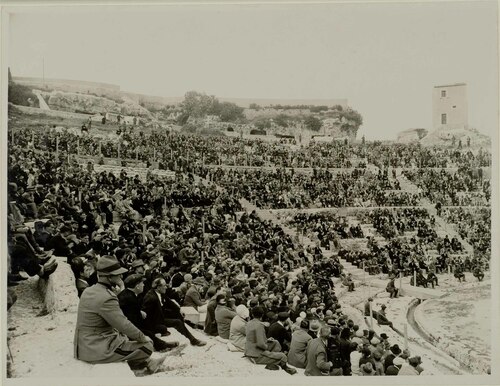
59, 291
191, 314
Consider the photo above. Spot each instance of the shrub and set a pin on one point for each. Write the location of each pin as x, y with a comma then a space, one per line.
258, 132
19, 95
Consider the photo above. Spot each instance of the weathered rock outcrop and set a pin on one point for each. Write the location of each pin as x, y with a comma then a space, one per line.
92, 104
411, 135
444, 136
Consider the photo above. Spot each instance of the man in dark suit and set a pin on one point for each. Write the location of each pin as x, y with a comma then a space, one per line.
60, 244
156, 321
130, 305
278, 331
395, 351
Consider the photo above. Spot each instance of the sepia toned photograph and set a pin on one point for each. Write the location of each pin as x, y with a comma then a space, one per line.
250, 193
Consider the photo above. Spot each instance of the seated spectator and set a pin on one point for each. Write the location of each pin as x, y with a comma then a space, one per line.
432, 279
60, 243
377, 358
193, 296
47, 208
237, 329
137, 266
347, 281
355, 356
210, 322
395, 351
478, 273
23, 236
333, 350
366, 356
82, 245
156, 321
382, 318
384, 340
184, 287
263, 350
316, 358
411, 368
345, 348
421, 279
223, 316
82, 271
103, 334
42, 232
280, 331
367, 369
394, 368
459, 273
314, 327
391, 288
23, 259
131, 307
298, 346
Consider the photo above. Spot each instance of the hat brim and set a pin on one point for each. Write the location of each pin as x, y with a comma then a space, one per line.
116, 272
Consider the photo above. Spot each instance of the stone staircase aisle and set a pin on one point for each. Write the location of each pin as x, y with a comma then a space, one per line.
442, 227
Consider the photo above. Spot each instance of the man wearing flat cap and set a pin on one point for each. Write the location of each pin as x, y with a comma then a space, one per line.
103, 334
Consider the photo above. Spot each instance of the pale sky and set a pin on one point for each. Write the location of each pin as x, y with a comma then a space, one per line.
385, 58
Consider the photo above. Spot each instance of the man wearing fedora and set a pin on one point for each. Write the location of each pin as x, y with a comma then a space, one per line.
223, 316
298, 345
103, 334
389, 359
317, 363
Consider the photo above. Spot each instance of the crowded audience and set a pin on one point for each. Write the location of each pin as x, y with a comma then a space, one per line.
149, 247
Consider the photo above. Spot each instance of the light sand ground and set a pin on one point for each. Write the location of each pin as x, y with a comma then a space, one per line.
42, 346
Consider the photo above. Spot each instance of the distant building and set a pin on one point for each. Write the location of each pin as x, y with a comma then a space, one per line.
449, 106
